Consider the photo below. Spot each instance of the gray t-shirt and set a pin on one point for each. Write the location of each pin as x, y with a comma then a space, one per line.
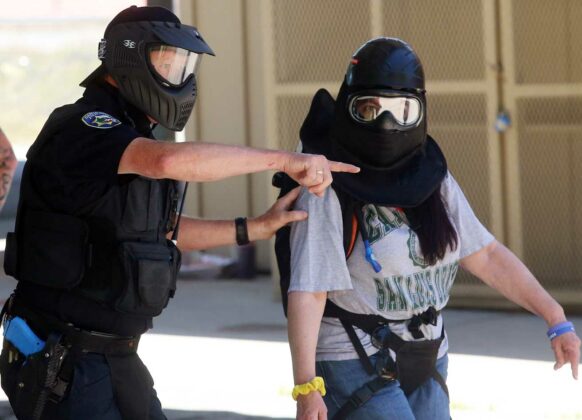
405, 286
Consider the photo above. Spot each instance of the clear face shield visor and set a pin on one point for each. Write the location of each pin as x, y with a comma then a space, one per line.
405, 110
173, 66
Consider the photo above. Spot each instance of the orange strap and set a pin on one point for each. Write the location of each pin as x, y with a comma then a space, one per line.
354, 235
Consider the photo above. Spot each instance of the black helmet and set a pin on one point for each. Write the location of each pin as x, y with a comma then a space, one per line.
378, 122
381, 113
153, 58
385, 63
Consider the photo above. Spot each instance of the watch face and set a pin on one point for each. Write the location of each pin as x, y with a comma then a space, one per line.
242, 235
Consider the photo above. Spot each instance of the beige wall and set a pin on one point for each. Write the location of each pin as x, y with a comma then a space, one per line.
225, 112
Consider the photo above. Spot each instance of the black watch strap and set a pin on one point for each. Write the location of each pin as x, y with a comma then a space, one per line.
242, 233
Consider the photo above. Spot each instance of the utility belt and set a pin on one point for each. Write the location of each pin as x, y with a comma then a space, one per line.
37, 364
53, 250
80, 340
415, 360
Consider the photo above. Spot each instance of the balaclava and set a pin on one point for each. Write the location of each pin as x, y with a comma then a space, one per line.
387, 72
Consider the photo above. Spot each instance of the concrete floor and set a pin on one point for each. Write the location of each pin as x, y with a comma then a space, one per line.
220, 351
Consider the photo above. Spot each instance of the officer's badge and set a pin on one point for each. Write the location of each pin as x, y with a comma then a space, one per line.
100, 120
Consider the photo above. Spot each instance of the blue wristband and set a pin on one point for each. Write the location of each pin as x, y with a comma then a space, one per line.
559, 329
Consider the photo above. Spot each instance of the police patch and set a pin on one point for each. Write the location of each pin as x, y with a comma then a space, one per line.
98, 119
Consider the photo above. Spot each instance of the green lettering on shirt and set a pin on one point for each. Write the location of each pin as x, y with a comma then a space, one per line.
414, 250
374, 229
453, 272
381, 298
419, 301
379, 223
429, 291
441, 287
402, 294
391, 303
410, 286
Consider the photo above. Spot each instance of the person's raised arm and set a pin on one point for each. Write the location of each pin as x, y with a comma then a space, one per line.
499, 268
304, 313
210, 162
199, 234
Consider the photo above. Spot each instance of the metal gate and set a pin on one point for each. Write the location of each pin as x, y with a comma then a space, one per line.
542, 88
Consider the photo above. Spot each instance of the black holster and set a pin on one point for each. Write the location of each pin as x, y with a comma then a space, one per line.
44, 377
30, 382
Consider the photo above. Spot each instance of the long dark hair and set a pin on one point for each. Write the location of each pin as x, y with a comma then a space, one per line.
430, 221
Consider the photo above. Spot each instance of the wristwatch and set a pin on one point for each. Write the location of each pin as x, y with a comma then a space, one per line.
241, 230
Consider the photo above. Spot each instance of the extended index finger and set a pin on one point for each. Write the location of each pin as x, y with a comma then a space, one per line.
343, 167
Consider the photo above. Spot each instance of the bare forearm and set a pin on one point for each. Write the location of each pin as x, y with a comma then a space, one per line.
210, 162
197, 161
304, 318
199, 234
504, 272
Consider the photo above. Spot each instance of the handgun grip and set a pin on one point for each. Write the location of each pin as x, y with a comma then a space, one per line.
19, 334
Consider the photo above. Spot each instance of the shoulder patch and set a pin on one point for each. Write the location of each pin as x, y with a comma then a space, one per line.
99, 119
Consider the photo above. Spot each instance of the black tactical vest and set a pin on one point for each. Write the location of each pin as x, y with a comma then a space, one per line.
114, 251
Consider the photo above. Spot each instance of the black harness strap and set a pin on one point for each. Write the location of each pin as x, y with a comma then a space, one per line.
361, 396
369, 323
430, 316
436, 375
359, 348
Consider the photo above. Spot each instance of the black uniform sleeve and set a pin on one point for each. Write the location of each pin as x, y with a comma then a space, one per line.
87, 153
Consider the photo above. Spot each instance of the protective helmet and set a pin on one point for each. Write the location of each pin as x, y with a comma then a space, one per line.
153, 58
385, 63
378, 122
381, 113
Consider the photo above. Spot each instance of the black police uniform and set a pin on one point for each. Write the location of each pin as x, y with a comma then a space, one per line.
91, 255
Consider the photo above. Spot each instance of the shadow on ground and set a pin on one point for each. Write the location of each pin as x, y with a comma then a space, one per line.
7, 414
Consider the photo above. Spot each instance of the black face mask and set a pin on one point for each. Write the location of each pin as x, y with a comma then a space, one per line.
407, 183
379, 144
125, 54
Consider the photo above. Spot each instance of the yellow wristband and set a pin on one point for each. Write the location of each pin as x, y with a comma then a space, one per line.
316, 384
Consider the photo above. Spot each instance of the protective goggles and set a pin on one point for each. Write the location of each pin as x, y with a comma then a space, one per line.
406, 110
172, 65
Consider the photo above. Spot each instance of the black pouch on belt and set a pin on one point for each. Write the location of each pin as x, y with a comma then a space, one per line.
31, 382
132, 385
416, 363
150, 271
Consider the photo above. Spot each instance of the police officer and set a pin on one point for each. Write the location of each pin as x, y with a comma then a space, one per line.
94, 249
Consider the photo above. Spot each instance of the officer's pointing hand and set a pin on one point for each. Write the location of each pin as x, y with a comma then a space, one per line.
314, 171
265, 226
